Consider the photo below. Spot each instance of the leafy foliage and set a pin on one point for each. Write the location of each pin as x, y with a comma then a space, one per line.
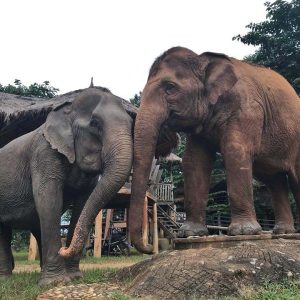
43, 90
278, 38
136, 100
20, 240
172, 171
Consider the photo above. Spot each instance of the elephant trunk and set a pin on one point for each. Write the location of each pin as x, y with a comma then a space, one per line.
145, 140
117, 159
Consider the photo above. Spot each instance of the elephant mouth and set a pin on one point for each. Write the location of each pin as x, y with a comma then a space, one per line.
178, 123
89, 160
91, 164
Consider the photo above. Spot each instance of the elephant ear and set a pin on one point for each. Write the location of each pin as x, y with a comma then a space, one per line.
219, 75
58, 131
167, 141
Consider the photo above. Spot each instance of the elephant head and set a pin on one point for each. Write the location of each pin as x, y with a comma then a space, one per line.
180, 93
95, 133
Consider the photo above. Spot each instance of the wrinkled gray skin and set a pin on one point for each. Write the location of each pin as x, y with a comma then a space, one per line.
45, 171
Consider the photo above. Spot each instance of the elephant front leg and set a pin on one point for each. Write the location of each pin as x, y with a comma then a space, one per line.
238, 165
48, 200
6, 258
197, 166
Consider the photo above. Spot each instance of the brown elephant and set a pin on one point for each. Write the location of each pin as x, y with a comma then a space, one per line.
248, 113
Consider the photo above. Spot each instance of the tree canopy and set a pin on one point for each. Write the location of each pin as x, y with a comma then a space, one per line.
136, 100
43, 90
278, 38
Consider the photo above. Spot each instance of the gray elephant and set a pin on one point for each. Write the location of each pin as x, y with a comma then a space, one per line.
57, 165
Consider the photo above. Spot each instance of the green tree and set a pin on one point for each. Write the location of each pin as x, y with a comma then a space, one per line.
136, 100
43, 90
172, 171
278, 38
20, 238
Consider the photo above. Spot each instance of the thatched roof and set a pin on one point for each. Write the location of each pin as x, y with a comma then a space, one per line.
19, 115
173, 157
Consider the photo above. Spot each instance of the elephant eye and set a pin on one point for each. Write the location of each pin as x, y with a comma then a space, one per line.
169, 88
95, 123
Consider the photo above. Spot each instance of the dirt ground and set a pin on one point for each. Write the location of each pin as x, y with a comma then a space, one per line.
83, 266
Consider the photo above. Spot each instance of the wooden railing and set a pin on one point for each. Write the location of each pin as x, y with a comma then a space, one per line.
163, 191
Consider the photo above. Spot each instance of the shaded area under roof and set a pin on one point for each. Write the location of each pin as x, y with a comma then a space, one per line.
20, 115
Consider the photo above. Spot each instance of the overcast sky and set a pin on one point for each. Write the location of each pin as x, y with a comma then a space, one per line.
115, 41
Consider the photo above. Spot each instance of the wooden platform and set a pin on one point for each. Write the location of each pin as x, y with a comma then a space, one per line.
225, 241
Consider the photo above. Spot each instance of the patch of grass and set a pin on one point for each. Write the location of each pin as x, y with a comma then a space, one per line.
286, 290
21, 259
119, 296
97, 275
21, 286
24, 286
107, 259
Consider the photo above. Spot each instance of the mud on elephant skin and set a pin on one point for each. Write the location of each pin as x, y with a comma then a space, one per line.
57, 165
250, 114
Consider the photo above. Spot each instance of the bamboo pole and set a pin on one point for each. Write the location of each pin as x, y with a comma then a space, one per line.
127, 229
33, 248
145, 221
155, 229
98, 235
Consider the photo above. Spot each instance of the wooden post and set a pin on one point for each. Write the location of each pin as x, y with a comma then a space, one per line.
98, 235
33, 248
127, 224
155, 229
145, 221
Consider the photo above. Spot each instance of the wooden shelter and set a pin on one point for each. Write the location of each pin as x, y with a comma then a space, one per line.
20, 115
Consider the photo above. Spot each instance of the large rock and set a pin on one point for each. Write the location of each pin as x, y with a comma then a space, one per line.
210, 272
220, 266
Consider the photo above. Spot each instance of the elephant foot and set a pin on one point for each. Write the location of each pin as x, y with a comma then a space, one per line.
72, 267
4, 277
75, 274
192, 229
283, 228
47, 281
244, 228
5, 272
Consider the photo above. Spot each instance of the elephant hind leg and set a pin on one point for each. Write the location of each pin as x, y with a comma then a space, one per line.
277, 184
294, 182
6, 257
